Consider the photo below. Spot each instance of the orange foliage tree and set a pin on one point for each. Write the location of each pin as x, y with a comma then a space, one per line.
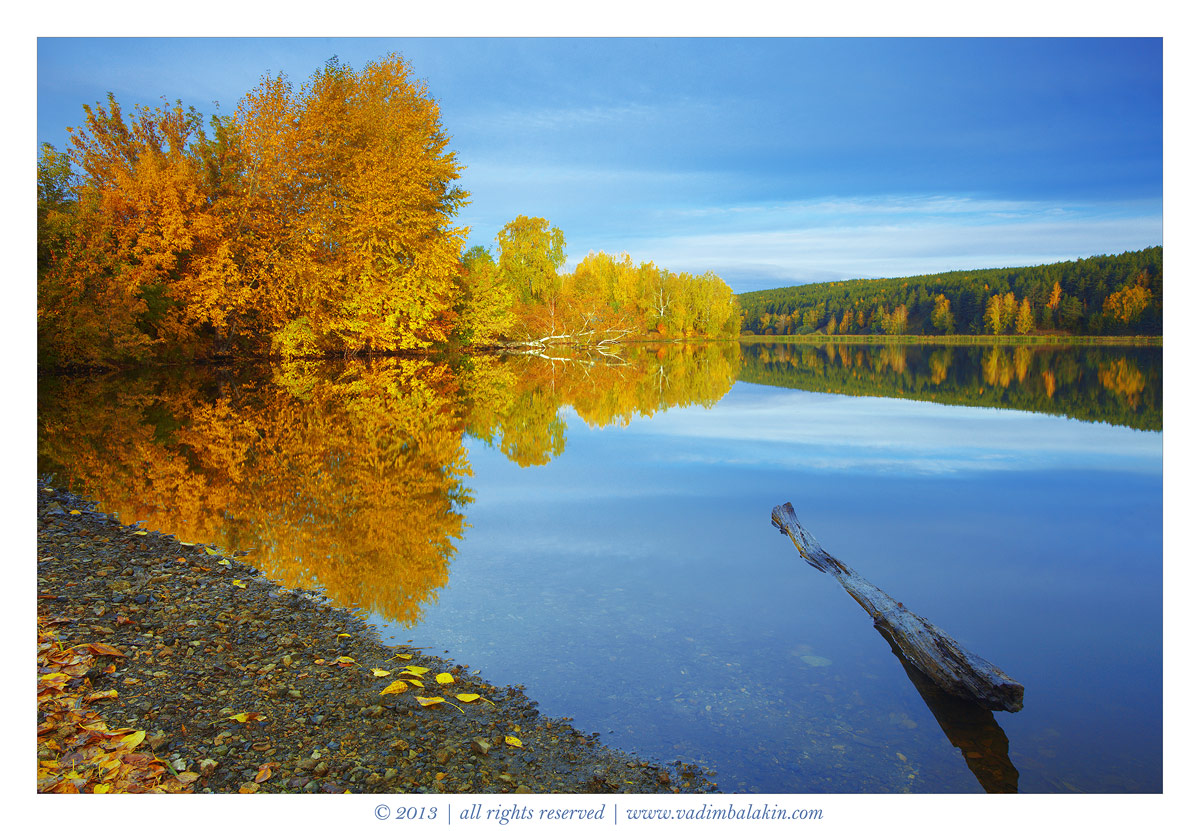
327, 210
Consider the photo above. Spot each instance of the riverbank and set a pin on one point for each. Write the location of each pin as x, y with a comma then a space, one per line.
240, 685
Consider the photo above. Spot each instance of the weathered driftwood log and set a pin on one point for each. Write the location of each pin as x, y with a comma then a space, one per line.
926, 647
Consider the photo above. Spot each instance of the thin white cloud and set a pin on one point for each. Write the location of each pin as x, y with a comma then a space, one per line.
525, 122
911, 244
883, 205
545, 178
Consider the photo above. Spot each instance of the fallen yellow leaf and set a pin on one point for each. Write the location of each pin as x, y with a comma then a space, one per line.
224, 563
380, 673
187, 777
411, 670
445, 678
393, 688
467, 696
239, 584
429, 702
135, 533
209, 551
79, 512
513, 740
132, 740
416, 683
342, 635
242, 718
403, 657
345, 659
102, 789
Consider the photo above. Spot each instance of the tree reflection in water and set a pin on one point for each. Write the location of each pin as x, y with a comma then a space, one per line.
347, 477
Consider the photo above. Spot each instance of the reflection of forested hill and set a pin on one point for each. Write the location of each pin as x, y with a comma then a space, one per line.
1118, 385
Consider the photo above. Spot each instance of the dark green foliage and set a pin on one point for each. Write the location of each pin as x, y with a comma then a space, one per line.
1085, 286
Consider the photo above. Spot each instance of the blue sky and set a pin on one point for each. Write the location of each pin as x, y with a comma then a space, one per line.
768, 161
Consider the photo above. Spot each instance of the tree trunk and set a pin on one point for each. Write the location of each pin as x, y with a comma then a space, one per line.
924, 645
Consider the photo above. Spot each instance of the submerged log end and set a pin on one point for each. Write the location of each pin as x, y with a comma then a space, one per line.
975, 677
924, 645
1008, 696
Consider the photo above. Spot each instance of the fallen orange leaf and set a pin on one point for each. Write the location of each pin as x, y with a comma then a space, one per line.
104, 649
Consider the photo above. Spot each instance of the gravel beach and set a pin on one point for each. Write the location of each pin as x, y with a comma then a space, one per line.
247, 686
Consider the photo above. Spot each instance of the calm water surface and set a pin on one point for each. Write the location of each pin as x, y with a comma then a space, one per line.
611, 548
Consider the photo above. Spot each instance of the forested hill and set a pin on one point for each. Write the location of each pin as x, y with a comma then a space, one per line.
1117, 294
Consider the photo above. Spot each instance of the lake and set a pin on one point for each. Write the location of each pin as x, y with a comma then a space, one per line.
597, 528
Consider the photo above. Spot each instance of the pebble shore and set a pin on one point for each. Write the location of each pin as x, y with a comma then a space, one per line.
231, 674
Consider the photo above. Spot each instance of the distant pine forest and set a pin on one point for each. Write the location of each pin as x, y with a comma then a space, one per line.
1118, 295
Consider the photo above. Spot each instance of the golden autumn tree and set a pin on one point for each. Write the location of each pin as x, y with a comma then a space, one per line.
993, 316
310, 220
942, 318
381, 195
1024, 318
1126, 305
485, 311
531, 253
141, 232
